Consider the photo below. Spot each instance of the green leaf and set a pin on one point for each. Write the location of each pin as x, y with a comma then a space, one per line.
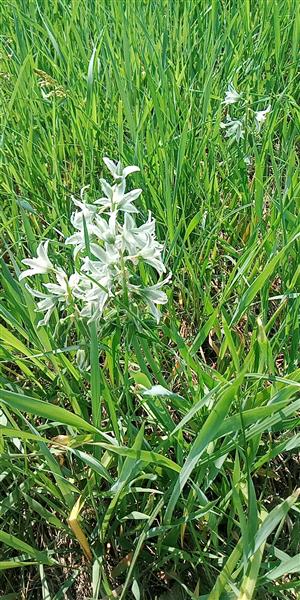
272, 520
259, 282
13, 542
14, 564
291, 565
146, 456
207, 433
40, 408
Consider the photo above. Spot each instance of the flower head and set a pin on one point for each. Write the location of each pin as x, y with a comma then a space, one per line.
154, 295
41, 264
234, 128
260, 117
135, 238
231, 95
64, 286
117, 170
116, 199
150, 254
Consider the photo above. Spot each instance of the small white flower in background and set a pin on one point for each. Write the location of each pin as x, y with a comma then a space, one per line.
260, 117
109, 250
39, 265
231, 95
234, 128
82, 361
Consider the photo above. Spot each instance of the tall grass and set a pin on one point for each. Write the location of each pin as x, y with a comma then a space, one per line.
187, 490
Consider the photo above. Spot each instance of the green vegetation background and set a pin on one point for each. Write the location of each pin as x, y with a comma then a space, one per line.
207, 509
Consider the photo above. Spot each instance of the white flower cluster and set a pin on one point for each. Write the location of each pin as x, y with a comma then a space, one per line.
234, 127
108, 244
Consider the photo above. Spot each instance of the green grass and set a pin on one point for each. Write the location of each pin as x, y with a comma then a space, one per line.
189, 494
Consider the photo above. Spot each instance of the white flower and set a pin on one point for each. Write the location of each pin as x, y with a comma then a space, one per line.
82, 361
96, 291
102, 273
106, 231
150, 254
78, 240
153, 295
64, 287
114, 246
134, 238
116, 199
260, 117
88, 212
46, 304
59, 293
234, 128
231, 96
39, 265
94, 304
125, 203
108, 256
117, 170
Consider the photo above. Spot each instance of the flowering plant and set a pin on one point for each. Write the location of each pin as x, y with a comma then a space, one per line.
108, 247
234, 127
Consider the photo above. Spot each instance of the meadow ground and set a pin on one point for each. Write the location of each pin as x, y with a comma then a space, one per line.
193, 494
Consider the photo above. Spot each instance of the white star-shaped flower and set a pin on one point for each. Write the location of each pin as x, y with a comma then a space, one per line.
260, 117
231, 95
41, 264
116, 199
234, 128
117, 170
153, 295
134, 238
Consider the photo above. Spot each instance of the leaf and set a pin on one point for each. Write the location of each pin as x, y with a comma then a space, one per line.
40, 408
292, 565
10, 540
137, 516
93, 463
14, 564
192, 225
159, 390
272, 520
259, 282
23, 203
146, 456
207, 433
141, 379
249, 582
